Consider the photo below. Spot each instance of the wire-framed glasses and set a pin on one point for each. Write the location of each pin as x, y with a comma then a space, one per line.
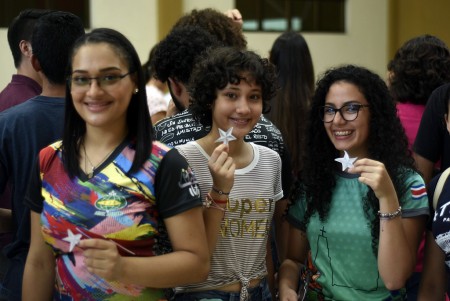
82, 83
349, 112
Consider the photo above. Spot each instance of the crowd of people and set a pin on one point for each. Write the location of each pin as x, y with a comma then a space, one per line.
252, 183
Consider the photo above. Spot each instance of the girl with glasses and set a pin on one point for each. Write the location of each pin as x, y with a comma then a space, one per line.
359, 227
107, 198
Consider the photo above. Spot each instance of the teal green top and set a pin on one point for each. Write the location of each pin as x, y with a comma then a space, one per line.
341, 246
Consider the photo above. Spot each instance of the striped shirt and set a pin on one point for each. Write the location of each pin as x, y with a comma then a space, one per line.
241, 247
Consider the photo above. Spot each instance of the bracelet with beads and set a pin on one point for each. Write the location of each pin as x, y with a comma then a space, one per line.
219, 191
390, 215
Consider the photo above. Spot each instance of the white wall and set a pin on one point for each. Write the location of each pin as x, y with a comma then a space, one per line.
136, 19
364, 43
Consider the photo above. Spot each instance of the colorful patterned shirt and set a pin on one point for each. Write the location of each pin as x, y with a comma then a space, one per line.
128, 209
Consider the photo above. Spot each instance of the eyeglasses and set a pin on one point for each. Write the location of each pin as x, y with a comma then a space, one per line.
349, 112
80, 83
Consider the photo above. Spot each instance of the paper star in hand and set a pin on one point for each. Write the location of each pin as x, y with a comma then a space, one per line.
226, 137
72, 239
346, 161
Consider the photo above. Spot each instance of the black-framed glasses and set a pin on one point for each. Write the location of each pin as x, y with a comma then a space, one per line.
349, 112
81, 83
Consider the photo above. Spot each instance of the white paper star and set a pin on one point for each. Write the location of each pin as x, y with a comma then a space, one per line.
72, 239
226, 137
346, 161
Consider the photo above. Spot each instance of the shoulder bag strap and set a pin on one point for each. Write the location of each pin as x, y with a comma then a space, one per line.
439, 186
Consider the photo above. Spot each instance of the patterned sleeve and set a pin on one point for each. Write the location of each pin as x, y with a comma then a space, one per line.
414, 201
176, 186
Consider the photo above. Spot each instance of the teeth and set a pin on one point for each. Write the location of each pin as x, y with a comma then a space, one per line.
342, 133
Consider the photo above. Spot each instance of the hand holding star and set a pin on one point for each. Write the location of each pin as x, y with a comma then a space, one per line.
72, 239
226, 137
346, 161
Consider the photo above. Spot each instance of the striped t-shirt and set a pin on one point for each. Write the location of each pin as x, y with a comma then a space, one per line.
241, 247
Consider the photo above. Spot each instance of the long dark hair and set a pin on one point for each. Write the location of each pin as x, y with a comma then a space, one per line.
387, 143
289, 109
138, 116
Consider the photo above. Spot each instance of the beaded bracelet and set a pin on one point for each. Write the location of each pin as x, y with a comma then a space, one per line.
390, 215
219, 191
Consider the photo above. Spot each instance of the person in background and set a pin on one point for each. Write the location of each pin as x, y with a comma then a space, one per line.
107, 198
432, 144
174, 59
360, 206
289, 108
224, 27
435, 279
419, 66
155, 89
229, 90
31, 125
24, 85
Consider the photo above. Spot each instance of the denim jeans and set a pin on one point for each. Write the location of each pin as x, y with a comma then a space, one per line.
260, 292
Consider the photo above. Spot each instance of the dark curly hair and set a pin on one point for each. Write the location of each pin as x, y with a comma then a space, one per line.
387, 144
176, 54
221, 66
421, 65
217, 24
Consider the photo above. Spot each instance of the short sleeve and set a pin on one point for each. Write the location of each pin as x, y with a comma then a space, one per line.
280, 192
176, 187
414, 201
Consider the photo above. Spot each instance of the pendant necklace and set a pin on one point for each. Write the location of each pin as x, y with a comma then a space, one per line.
93, 167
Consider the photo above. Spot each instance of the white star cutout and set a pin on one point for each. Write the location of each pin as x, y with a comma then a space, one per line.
72, 239
346, 161
226, 137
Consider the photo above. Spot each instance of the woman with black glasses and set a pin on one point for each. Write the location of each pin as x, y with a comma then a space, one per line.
106, 199
360, 206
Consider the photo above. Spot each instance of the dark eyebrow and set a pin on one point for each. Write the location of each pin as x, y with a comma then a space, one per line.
101, 70
348, 102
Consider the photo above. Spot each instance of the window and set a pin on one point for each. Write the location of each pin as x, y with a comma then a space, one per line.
296, 15
10, 9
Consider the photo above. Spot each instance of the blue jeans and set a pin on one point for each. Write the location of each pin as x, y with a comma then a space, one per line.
260, 292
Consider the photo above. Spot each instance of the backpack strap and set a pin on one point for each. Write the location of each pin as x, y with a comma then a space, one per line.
439, 186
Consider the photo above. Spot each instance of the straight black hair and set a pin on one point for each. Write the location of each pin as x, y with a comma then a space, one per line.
140, 128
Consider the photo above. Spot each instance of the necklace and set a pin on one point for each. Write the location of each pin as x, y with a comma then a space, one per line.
93, 167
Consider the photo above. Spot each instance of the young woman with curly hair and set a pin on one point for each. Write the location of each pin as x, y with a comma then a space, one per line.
240, 181
363, 224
